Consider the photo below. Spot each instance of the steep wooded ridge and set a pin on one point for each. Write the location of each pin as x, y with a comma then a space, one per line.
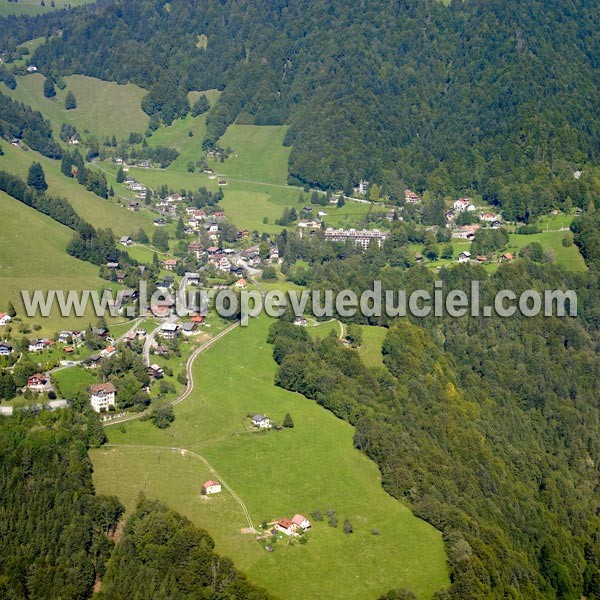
488, 428
493, 95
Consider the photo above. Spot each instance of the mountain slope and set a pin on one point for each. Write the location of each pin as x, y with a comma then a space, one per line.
497, 96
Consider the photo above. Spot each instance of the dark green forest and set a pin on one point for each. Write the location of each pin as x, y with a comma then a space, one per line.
494, 96
486, 427
54, 528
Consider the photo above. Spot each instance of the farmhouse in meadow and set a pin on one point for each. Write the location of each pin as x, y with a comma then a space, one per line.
261, 421
211, 487
293, 526
102, 396
5, 319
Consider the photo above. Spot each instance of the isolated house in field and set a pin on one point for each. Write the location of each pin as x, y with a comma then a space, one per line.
5, 319
241, 283
5, 349
211, 487
301, 522
300, 322
126, 240
102, 396
507, 257
464, 257
261, 421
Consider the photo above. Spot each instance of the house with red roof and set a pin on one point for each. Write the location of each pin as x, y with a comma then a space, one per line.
5, 319
38, 383
211, 487
285, 526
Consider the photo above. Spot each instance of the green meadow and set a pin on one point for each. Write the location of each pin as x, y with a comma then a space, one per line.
70, 381
33, 256
258, 154
569, 258
311, 467
34, 7
177, 135
103, 108
370, 347
97, 211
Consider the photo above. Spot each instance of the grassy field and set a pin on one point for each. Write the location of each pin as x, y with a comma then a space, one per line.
33, 256
570, 258
70, 380
34, 7
323, 330
103, 108
311, 467
258, 154
97, 211
177, 135
370, 347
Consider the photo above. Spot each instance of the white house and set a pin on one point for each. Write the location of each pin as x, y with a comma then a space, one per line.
5, 319
464, 257
261, 421
211, 487
102, 396
5, 349
38, 345
301, 522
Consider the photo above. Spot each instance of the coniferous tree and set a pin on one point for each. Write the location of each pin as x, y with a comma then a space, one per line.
49, 90
36, 177
70, 102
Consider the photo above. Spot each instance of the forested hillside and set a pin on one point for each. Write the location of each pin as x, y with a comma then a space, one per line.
487, 427
54, 528
493, 95
21, 122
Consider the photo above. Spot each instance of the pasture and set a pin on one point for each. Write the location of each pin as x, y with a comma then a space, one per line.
33, 256
308, 468
103, 108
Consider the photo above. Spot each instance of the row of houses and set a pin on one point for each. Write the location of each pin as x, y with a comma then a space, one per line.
466, 256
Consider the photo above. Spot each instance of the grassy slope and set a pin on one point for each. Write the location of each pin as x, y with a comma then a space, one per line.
101, 213
34, 7
313, 466
103, 108
258, 154
570, 258
72, 379
177, 135
32, 256
370, 348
